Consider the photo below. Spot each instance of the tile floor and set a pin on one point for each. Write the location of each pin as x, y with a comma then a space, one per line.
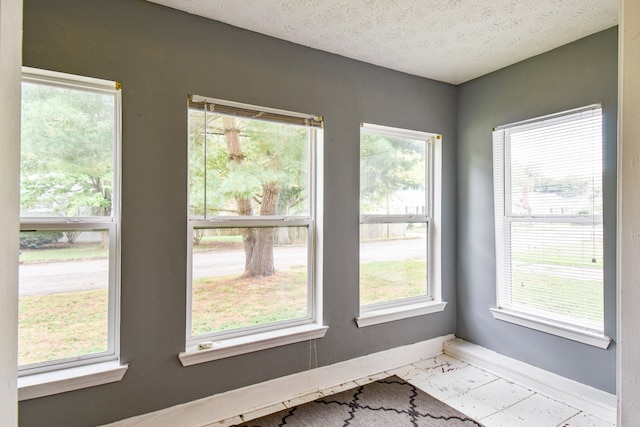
487, 398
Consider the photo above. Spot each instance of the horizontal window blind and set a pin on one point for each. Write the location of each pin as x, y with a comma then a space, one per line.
548, 204
227, 108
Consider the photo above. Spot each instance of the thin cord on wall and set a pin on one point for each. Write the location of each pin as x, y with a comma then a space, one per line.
313, 355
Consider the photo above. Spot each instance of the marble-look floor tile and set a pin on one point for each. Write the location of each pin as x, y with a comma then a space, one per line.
422, 382
226, 423
489, 398
493, 401
500, 394
441, 362
459, 381
470, 406
302, 399
371, 378
534, 411
339, 388
407, 373
585, 420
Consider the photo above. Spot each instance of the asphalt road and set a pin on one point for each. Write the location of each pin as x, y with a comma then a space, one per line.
60, 277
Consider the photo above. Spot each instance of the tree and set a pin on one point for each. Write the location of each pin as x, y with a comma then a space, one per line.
248, 168
528, 177
389, 165
66, 151
568, 186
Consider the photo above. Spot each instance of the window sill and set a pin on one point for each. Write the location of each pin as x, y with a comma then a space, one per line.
248, 344
63, 380
384, 315
572, 333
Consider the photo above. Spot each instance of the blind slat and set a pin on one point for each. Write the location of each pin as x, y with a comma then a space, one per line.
270, 116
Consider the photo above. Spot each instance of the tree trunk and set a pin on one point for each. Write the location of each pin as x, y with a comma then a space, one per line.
72, 236
262, 263
236, 157
104, 234
258, 242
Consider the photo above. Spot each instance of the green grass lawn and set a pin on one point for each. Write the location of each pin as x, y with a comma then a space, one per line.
67, 325
557, 256
59, 326
86, 251
222, 303
559, 276
384, 281
562, 295
74, 252
211, 239
577, 247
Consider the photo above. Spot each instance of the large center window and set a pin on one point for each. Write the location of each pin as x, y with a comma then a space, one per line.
251, 219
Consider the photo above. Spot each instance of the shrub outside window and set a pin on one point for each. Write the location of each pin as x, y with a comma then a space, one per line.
69, 216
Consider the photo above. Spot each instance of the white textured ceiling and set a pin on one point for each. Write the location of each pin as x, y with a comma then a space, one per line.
448, 40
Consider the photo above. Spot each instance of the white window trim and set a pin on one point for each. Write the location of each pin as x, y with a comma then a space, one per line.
214, 346
374, 314
584, 336
405, 311
521, 318
112, 351
220, 349
58, 376
74, 81
63, 380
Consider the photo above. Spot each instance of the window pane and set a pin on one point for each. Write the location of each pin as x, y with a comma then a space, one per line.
393, 262
63, 287
557, 271
392, 175
245, 167
557, 169
549, 229
67, 152
245, 277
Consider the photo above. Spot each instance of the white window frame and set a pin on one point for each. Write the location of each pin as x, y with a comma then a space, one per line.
57, 376
431, 302
502, 198
218, 345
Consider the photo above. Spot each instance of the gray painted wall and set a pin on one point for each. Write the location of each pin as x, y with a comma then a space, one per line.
161, 55
578, 74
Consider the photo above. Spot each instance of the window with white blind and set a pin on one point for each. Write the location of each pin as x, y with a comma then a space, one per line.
548, 217
252, 228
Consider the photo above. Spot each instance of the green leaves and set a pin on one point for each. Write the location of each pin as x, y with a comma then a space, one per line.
389, 166
66, 151
265, 154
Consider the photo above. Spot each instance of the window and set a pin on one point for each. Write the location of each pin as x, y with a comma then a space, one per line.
548, 207
251, 219
69, 221
397, 229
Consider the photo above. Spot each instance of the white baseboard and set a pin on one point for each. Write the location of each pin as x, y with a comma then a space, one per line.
240, 401
575, 394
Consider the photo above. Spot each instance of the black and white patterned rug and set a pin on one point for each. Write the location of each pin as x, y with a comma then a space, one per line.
390, 402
